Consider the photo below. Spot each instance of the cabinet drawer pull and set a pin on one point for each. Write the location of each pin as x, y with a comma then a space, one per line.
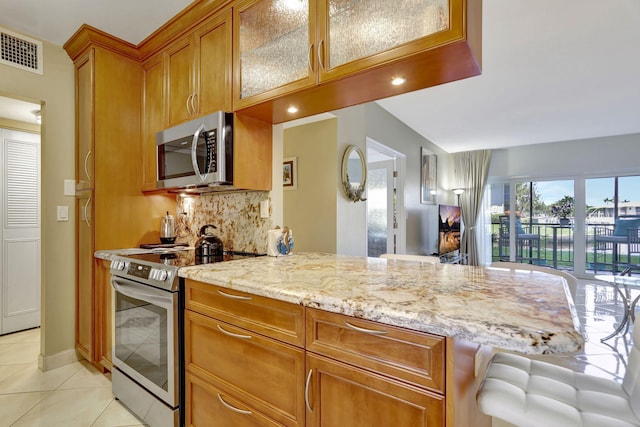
366, 331
240, 297
231, 334
233, 408
306, 391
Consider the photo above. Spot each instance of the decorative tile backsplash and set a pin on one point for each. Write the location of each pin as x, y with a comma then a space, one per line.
236, 216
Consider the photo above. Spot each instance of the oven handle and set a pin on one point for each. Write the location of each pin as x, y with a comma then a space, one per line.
133, 290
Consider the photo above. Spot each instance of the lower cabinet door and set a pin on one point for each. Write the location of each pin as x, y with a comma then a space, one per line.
209, 407
338, 395
263, 372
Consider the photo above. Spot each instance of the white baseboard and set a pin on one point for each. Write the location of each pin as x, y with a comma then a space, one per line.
57, 360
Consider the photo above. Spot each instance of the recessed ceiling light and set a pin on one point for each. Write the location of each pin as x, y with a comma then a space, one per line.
292, 109
397, 81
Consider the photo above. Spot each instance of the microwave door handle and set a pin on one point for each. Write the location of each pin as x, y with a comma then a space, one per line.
194, 153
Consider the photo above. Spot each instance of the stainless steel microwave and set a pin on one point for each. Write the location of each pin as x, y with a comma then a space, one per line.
197, 155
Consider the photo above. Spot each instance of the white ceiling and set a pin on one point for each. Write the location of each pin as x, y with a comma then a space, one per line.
552, 70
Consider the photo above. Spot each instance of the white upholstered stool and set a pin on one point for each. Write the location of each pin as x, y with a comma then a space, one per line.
531, 393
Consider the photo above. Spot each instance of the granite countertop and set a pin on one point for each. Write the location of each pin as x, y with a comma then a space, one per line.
517, 310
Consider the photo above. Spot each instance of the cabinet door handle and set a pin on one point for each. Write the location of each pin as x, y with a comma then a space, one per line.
233, 408
240, 297
320, 61
86, 166
311, 58
86, 217
306, 391
193, 103
188, 105
366, 331
231, 334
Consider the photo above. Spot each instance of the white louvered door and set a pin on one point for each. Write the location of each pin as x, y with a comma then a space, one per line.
20, 251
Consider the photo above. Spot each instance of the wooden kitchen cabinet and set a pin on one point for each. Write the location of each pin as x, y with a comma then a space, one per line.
377, 374
273, 49
153, 117
338, 394
260, 358
111, 212
261, 373
104, 308
198, 71
329, 54
276, 319
211, 407
413, 357
190, 78
85, 124
85, 290
246, 359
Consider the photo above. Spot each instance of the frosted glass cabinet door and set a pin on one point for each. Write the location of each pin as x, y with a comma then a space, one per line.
354, 30
274, 47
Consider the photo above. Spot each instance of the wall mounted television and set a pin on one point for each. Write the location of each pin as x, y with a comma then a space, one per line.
448, 229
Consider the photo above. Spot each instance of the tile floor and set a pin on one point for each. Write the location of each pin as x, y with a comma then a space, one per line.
77, 395
600, 311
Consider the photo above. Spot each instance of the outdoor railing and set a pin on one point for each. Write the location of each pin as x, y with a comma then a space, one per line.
557, 247
556, 244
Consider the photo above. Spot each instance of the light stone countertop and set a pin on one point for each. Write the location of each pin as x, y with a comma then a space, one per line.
517, 310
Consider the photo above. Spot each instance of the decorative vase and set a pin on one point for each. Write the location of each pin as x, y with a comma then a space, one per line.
564, 221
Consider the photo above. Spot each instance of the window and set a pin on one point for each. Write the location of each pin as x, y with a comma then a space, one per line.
541, 237
607, 200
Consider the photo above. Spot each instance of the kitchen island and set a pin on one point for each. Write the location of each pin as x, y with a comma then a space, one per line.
516, 310
322, 340
316, 339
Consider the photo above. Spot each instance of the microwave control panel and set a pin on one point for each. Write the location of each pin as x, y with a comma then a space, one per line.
210, 139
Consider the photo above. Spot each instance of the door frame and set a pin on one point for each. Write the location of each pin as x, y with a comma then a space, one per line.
400, 167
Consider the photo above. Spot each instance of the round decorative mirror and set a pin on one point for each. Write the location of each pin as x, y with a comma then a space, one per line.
354, 173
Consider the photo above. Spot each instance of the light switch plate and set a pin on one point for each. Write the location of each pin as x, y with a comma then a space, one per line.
63, 213
264, 209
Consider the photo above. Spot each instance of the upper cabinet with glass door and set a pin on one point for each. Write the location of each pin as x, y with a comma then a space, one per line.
274, 42
282, 46
359, 34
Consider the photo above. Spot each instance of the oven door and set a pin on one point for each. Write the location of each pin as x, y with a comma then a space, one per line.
145, 336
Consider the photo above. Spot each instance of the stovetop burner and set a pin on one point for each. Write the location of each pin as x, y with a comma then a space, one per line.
159, 267
184, 257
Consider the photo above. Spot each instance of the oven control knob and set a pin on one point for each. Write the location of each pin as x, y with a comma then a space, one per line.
159, 275
117, 265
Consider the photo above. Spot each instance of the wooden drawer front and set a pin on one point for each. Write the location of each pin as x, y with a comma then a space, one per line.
263, 372
207, 406
341, 395
275, 319
416, 357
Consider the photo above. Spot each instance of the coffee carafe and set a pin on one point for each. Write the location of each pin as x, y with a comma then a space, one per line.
167, 229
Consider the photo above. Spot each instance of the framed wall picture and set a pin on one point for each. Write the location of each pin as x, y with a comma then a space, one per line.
428, 177
290, 173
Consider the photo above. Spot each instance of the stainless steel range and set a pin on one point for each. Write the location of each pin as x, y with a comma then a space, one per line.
148, 330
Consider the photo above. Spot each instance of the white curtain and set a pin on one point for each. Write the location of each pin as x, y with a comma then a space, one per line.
471, 169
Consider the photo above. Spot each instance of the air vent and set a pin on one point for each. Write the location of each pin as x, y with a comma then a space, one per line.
20, 52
